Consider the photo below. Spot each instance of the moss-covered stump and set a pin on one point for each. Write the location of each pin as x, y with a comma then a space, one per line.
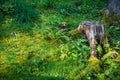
111, 18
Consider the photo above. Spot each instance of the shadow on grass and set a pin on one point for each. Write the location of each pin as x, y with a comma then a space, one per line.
17, 17
43, 78
33, 78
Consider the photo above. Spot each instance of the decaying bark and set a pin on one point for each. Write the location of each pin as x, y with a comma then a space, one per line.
94, 32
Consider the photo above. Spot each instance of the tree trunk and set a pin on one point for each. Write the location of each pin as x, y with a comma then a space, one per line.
114, 5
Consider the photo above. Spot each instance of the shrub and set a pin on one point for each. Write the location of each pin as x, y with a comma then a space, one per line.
88, 6
114, 37
7, 9
67, 8
20, 10
46, 4
24, 13
1, 16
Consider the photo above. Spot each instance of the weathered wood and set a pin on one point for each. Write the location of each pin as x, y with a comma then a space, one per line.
94, 32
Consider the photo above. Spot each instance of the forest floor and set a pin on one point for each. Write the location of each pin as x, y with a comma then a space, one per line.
42, 51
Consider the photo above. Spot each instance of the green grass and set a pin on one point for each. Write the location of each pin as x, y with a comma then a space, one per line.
39, 50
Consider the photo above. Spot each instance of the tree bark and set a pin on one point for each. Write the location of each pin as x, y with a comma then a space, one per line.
114, 5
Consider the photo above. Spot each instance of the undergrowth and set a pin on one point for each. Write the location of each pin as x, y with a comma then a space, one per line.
33, 47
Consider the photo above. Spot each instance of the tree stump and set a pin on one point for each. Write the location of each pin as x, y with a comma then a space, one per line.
114, 5
94, 32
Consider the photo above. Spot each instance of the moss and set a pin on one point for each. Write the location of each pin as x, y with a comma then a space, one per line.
74, 33
93, 66
111, 18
